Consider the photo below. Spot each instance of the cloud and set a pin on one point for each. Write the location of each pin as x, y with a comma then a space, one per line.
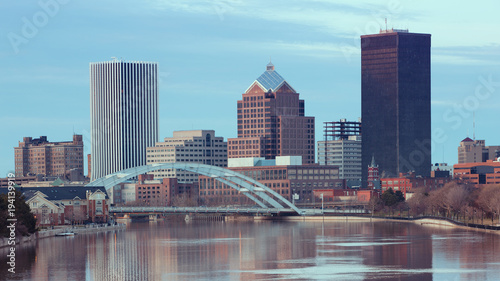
467, 55
348, 20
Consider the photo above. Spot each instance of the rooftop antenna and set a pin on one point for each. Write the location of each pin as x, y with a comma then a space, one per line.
474, 125
385, 23
443, 154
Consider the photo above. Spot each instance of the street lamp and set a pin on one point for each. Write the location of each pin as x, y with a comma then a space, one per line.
322, 211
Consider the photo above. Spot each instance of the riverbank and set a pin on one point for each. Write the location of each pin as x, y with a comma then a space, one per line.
53, 232
422, 221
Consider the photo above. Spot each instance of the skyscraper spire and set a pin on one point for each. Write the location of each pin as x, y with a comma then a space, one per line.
373, 161
270, 66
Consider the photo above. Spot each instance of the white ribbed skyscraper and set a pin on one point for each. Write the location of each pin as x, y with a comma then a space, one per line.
123, 114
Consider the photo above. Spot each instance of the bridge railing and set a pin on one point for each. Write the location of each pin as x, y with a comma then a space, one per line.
197, 210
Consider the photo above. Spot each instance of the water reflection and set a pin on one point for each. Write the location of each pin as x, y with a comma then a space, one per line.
265, 251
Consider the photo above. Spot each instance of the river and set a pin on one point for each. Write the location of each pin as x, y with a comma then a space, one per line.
198, 250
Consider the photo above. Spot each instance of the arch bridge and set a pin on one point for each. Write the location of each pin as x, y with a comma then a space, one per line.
251, 188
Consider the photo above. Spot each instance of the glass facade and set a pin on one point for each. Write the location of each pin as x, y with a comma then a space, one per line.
395, 97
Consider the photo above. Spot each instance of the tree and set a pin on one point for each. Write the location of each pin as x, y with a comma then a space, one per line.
26, 221
375, 204
457, 198
184, 200
418, 202
489, 200
390, 198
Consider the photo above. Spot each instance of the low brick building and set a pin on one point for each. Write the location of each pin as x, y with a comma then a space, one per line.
285, 175
406, 183
344, 195
478, 173
162, 192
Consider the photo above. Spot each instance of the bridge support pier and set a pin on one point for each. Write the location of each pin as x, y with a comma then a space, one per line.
153, 217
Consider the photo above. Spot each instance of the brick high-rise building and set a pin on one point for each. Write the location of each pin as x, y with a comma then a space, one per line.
271, 121
41, 157
396, 102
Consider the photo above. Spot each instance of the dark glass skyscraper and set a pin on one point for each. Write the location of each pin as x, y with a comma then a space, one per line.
396, 102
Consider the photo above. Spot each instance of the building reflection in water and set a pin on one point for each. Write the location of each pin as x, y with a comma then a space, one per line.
267, 250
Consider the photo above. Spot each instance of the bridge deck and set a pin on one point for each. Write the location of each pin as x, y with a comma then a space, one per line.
184, 210
226, 210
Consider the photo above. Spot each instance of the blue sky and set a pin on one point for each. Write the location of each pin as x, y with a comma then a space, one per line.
209, 52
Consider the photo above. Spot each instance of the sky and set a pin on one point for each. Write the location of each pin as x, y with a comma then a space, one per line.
210, 51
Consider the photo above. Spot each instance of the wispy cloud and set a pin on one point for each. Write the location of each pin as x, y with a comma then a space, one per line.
348, 19
466, 55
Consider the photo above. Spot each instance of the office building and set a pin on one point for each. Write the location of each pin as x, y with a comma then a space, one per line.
475, 151
271, 121
342, 147
196, 146
478, 173
285, 175
396, 102
123, 114
40, 157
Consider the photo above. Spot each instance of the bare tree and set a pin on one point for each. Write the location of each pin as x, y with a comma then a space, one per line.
184, 200
457, 198
78, 214
489, 199
418, 203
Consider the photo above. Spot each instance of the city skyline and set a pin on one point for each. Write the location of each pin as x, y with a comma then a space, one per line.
211, 51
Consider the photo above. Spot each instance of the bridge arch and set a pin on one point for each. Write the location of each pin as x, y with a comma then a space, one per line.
251, 188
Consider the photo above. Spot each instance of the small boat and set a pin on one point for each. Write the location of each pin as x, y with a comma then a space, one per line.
66, 234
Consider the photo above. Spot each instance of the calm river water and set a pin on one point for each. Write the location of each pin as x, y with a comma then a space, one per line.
263, 251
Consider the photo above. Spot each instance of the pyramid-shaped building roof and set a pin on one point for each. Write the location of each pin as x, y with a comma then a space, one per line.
270, 80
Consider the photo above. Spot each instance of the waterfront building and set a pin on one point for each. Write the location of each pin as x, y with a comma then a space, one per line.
475, 151
342, 147
122, 193
286, 175
164, 192
196, 146
344, 196
40, 157
478, 173
123, 114
396, 102
57, 205
408, 182
272, 121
